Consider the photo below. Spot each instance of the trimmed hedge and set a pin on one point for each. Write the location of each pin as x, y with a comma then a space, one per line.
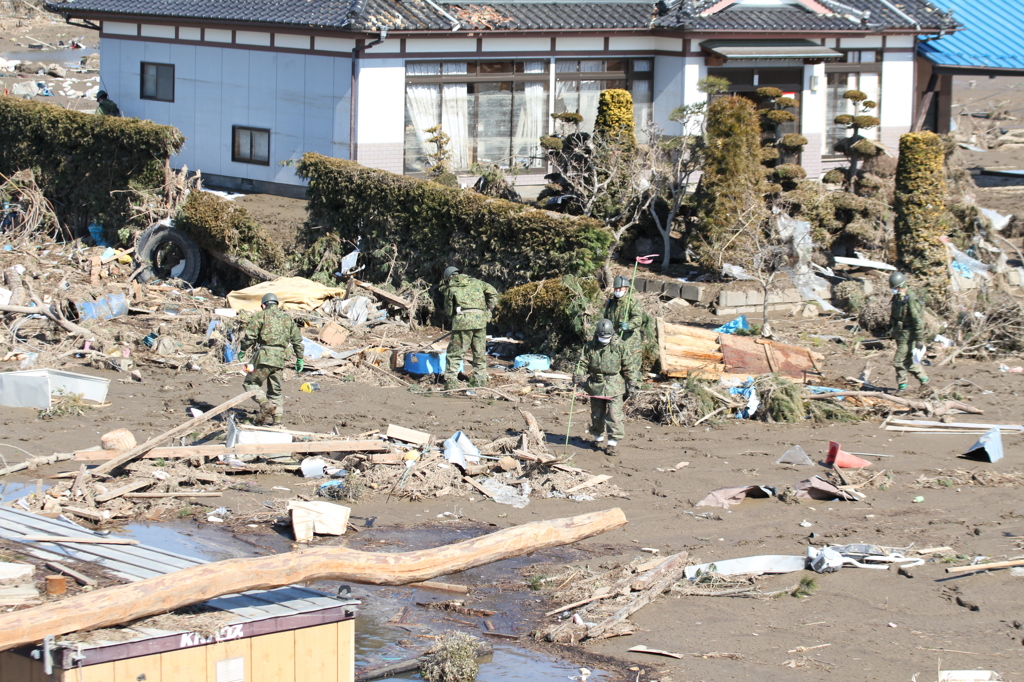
83, 162
413, 229
920, 206
220, 225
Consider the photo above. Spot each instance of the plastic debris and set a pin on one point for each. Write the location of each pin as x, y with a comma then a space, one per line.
988, 448
731, 326
795, 455
459, 450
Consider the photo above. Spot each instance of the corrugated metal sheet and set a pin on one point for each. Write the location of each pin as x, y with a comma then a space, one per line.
138, 562
991, 37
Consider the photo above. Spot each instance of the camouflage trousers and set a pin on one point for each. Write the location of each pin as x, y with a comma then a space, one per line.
475, 340
272, 377
607, 413
904, 361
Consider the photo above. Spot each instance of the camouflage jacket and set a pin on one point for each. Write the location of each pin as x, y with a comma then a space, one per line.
608, 368
468, 302
906, 317
108, 108
625, 309
272, 331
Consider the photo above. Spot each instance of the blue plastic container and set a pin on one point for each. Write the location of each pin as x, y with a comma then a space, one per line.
426, 363
534, 363
105, 308
96, 232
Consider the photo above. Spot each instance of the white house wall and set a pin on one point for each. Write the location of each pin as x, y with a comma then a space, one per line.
896, 103
302, 99
380, 119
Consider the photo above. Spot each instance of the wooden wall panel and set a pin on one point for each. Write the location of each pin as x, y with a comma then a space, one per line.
316, 653
103, 672
239, 648
130, 669
347, 651
273, 657
184, 665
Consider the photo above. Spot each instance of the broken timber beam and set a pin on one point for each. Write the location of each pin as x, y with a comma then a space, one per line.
196, 584
247, 449
140, 450
386, 295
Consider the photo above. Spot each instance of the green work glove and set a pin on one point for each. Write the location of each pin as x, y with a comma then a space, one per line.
624, 326
300, 364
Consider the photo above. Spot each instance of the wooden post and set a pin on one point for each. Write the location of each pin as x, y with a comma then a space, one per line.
124, 603
925, 103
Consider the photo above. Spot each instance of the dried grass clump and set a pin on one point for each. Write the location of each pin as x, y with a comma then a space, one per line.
451, 659
874, 316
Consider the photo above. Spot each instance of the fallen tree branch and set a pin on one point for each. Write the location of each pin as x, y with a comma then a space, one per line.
37, 462
51, 313
245, 265
920, 405
196, 584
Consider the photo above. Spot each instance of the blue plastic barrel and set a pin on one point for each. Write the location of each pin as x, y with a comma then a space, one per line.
535, 363
104, 308
426, 363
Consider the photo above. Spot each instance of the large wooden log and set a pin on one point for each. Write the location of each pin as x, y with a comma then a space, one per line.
244, 449
125, 603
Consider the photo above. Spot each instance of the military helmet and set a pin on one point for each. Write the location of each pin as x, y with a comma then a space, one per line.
897, 280
101, 94
605, 328
620, 282
450, 272
269, 299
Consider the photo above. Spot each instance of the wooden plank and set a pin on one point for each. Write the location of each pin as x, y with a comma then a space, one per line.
408, 435
273, 657
346, 651
386, 295
140, 668
78, 541
688, 330
80, 578
130, 488
447, 587
147, 496
124, 603
479, 487
179, 430
248, 449
985, 567
957, 425
589, 483
90, 514
183, 665
743, 354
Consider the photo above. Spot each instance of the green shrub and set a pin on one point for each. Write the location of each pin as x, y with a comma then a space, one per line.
417, 228
452, 658
615, 117
83, 162
220, 225
920, 206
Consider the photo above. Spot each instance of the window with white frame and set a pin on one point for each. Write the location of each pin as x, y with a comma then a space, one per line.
157, 82
250, 145
495, 112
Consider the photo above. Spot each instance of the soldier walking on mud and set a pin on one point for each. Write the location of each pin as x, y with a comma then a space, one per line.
907, 327
611, 379
273, 333
468, 302
628, 317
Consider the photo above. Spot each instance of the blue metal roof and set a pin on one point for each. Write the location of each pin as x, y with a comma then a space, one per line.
991, 38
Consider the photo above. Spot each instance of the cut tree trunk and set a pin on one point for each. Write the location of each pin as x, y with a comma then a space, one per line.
245, 265
125, 603
946, 407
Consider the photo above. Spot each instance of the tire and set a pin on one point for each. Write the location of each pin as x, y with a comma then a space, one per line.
162, 247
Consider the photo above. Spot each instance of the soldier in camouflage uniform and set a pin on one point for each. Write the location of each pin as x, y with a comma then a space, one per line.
611, 377
907, 327
628, 317
273, 332
106, 107
468, 302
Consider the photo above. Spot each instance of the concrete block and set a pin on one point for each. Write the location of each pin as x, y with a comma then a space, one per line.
755, 297
672, 290
654, 286
692, 292
678, 305
731, 298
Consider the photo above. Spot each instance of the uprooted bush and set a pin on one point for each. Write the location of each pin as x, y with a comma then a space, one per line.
223, 226
84, 163
553, 317
428, 227
452, 658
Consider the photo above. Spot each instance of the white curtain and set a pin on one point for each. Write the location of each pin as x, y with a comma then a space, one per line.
422, 102
641, 107
455, 122
531, 122
590, 95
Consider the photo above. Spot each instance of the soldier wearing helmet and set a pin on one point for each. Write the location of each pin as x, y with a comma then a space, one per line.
907, 327
611, 377
273, 333
106, 107
628, 318
468, 302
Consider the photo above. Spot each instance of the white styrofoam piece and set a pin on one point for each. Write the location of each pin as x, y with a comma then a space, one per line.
34, 387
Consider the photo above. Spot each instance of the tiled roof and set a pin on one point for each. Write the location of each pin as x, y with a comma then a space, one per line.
410, 15
990, 39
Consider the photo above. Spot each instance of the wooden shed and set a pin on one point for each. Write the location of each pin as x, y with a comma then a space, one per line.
289, 634
713, 355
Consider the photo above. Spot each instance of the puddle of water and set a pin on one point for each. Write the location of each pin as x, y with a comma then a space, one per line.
12, 491
512, 664
188, 539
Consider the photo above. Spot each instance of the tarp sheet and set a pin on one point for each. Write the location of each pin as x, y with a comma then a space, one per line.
293, 293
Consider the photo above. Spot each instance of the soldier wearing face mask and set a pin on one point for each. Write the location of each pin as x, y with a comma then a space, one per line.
627, 317
611, 378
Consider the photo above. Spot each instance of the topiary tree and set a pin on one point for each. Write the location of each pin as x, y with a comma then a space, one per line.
920, 193
780, 151
855, 147
440, 170
730, 195
614, 120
